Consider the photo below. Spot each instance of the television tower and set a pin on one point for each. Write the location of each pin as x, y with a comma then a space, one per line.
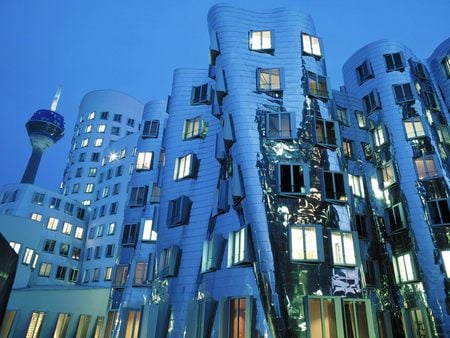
45, 128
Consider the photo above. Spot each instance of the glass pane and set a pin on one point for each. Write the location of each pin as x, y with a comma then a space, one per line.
285, 125
329, 319
349, 250
315, 318
266, 41
306, 44
350, 324
315, 46
275, 79
299, 185
338, 256
361, 315
285, 178
297, 243
311, 243
264, 80
241, 330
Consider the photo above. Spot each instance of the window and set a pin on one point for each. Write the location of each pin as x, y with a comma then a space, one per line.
61, 272
347, 147
99, 232
426, 167
49, 245
324, 317
414, 128
95, 157
342, 116
91, 115
84, 143
439, 212
27, 256
61, 325
260, 41
52, 223
179, 211
130, 233
144, 161
394, 62
194, 128
364, 72
113, 208
119, 171
317, 85
361, 225
111, 228
327, 133
45, 269
88, 128
334, 184
358, 316
67, 228
404, 268
446, 64
148, 233
305, 243
430, 100
378, 136
344, 246
73, 275
104, 115
97, 252
361, 120
311, 45
169, 259
403, 93
7, 323
212, 253
109, 250
239, 250
132, 324
117, 117
138, 196
115, 131
418, 70
140, 273
79, 172
64, 249
76, 253
98, 142
120, 278
36, 217
293, 179
86, 276
445, 254
186, 167
16, 246
75, 188
108, 273
35, 325
357, 185
201, 94
116, 189
54, 203
278, 125
83, 325
396, 218
96, 275
101, 128
38, 198
151, 129
68, 208
200, 317
443, 132
269, 79
82, 157
79, 232
130, 122
371, 102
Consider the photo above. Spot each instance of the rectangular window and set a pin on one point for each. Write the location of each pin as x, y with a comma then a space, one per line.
443, 133
325, 317
61, 325
364, 72
371, 102
144, 161
84, 143
150, 129
358, 318
38, 198
130, 122
446, 65
179, 211
117, 117
49, 245
361, 225
36, 217
344, 246
201, 94
113, 208
138, 196
194, 128
132, 324
111, 228
212, 253
54, 203
75, 188
439, 212
140, 273
79, 232
327, 133
403, 93
73, 275
426, 167
7, 323
97, 252
76, 253
278, 125
445, 254
108, 273
96, 275
387, 175
35, 325
239, 250
404, 268
61, 272
361, 120
27, 256
342, 116
64, 249
378, 136
414, 128
200, 318
109, 250
148, 233
186, 167
269, 79
305, 243
169, 260
98, 142
394, 62
16, 246
120, 278
67, 228
79, 172
101, 128
311, 45
357, 185
83, 325
45, 269
430, 100
347, 147
334, 184
396, 218
68, 208
292, 179
130, 233
260, 41
317, 86
52, 223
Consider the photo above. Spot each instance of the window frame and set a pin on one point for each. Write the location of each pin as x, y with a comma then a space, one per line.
150, 129
404, 274
178, 211
239, 248
259, 46
228, 321
318, 86
294, 177
371, 102
343, 259
364, 72
138, 196
326, 126
436, 211
318, 236
201, 94
144, 161
415, 126
278, 132
270, 86
393, 64
309, 42
186, 167
342, 198
194, 128
427, 171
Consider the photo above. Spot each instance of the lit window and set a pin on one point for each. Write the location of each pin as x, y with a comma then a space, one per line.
117, 117
292, 179
73, 275
334, 184
140, 273
60, 272
403, 93
130, 234
45, 269
371, 102
150, 129
67, 228
387, 175
317, 86
269, 79
84, 143
108, 273
324, 317
347, 147
327, 133
79, 232
179, 211
361, 120
91, 115
212, 253
404, 268
89, 188
123, 153
101, 128
38, 198
394, 62
16, 246
49, 245
239, 248
396, 218
305, 243
64, 249
260, 41
105, 191
83, 325
120, 277
138, 196
446, 64
76, 253
343, 247
364, 72
35, 261
439, 212
61, 325
414, 128
52, 223
342, 116
111, 228
27, 256
311, 45
194, 128
357, 185
278, 125
98, 142
169, 259
35, 325
201, 94
426, 167
445, 254
36, 217
144, 161
378, 136
132, 323
186, 167
148, 233
99, 232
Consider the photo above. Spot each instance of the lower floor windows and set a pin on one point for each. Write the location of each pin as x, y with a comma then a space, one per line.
212, 252
236, 318
404, 268
132, 324
83, 325
357, 319
61, 325
45, 269
34, 327
306, 243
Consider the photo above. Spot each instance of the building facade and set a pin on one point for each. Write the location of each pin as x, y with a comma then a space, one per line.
255, 202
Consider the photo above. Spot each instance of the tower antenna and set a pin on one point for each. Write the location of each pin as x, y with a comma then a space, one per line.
56, 99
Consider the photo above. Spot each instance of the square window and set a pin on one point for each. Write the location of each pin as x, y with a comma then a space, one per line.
194, 128
327, 133
151, 129
269, 80
394, 62
52, 223
439, 212
64, 249
293, 179
371, 102
144, 161
305, 243
364, 72
404, 268
117, 117
201, 94
239, 250
130, 234
311, 45
45, 269
38, 198
344, 246
261, 41
115, 131
54, 203
278, 125
186, 167
138, 196
317, 86
334, 186
89, 188
104, 115
179, 211
414, 128
403, 93
426, 167
418, 70
79, 172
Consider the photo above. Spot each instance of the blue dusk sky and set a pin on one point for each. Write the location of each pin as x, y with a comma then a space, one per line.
134, 46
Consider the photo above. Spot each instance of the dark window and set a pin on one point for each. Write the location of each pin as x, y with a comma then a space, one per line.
364, 72
371, 102
278, 125
327, 133
396, 218
201, 94
117, 118
439, 212
179, 211
95, 157
334, 186
361, 225
130, 234
138, 196
104, 115
61, 272
151, 129
403, 93
64, 249
49, 245
293, 179
430, 100
394, 62
130, 122
169, 260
